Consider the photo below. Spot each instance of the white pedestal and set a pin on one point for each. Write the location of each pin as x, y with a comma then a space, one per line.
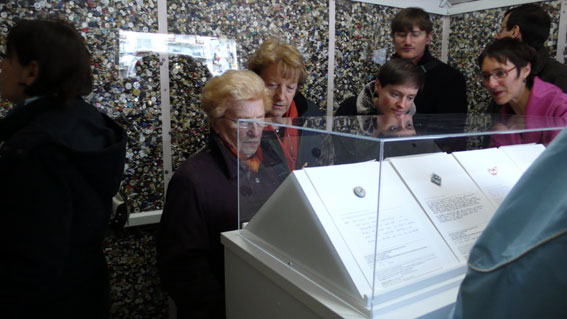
261, 286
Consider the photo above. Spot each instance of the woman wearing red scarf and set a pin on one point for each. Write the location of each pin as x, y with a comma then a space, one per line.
282, 68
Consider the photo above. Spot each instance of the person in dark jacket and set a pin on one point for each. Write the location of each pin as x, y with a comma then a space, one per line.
445, 87
531, 24
282, 68
61, 162
202, 201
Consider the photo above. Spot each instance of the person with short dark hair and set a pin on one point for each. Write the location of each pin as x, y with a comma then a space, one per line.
61, 162
391, 99
392, 93
445, 87
506, 72
531, 24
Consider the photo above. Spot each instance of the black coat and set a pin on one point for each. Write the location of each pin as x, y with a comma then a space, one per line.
305, 107
550, 70
201, 203
59, 169
445, 88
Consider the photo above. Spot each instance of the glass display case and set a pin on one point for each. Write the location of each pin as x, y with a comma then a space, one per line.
379, 212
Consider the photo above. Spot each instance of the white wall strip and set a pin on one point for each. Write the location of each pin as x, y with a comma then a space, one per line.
445, 38
331, 62
562, 33
165, 97
144, 218
480, 5
431, 6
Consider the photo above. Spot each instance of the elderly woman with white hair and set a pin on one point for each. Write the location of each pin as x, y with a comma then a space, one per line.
201, 200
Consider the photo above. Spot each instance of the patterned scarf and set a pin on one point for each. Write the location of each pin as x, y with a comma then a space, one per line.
253, 162
290, 142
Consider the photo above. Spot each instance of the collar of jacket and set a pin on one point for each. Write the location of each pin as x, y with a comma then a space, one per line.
427, 57
300, 103
228, 162
365, 100
427, 61
19, 116
225, 159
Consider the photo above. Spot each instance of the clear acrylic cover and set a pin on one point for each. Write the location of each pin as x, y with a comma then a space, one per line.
380, 209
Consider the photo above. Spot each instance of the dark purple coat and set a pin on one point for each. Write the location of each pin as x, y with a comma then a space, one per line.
201, 202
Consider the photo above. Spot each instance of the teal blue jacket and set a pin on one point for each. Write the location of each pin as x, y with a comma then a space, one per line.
518, 266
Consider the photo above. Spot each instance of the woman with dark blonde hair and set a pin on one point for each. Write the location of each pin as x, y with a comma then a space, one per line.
282, 68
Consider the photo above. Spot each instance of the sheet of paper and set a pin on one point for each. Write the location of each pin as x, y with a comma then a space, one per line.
524, 154
454, 203
492, 170
409, 247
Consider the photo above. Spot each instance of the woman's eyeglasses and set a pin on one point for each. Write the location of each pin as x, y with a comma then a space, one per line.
498, 74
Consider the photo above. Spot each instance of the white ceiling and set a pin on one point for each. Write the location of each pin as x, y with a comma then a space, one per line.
449, 7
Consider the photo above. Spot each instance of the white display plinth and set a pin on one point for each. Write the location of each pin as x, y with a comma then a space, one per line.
261, 286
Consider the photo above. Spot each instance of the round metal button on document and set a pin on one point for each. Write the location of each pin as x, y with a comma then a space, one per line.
359, 191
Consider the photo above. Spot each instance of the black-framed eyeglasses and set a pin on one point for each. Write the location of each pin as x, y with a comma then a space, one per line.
497, 74
244, 125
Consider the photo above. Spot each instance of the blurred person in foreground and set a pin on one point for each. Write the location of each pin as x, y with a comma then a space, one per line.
61, 162
202, 196
518, 266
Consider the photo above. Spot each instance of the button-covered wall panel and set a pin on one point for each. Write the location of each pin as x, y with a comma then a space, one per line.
189, 128
303, 23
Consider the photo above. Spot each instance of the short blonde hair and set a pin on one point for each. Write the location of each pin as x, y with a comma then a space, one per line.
289, 60
233, 86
